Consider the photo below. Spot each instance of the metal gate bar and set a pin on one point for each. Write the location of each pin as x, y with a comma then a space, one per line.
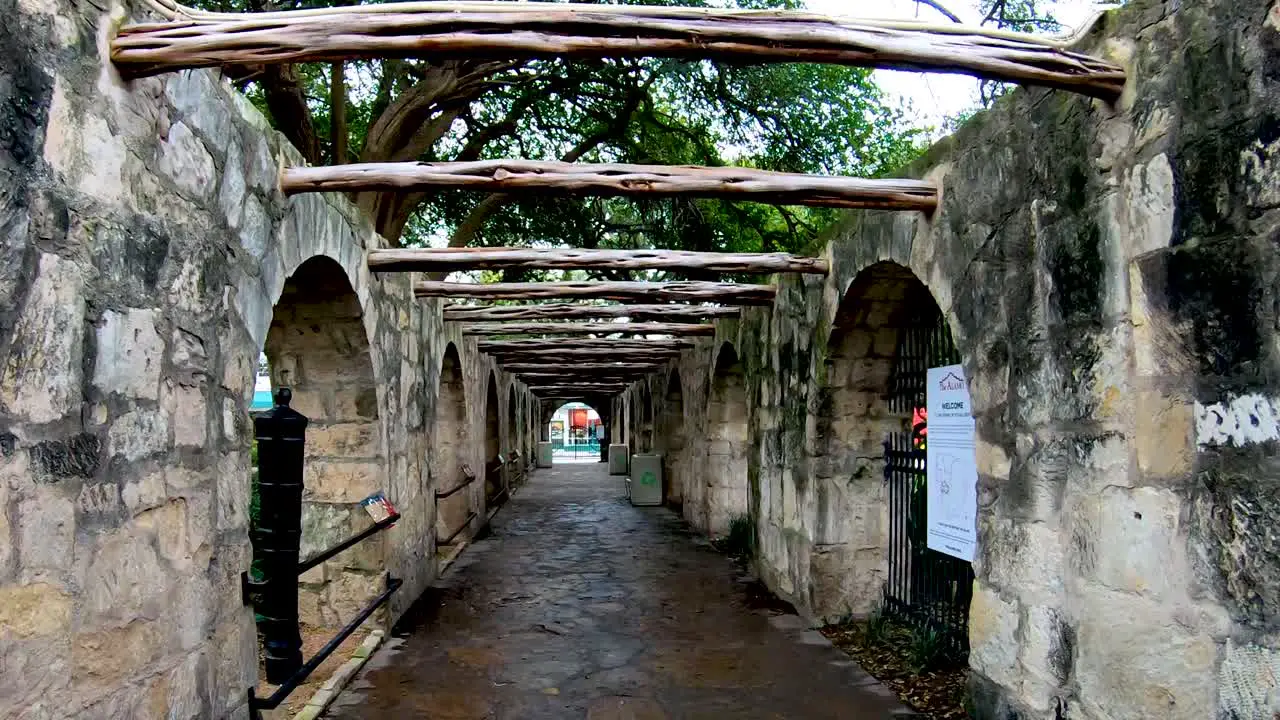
926, 589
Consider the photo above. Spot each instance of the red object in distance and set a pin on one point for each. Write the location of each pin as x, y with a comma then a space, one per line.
919, 426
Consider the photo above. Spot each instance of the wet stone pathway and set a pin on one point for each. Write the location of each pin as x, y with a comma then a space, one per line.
579, 605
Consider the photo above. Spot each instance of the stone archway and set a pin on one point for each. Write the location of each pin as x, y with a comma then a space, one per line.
728, 490
449, 449
513, 435
493, 480
646, 442
317, 346
887, 331
671, 435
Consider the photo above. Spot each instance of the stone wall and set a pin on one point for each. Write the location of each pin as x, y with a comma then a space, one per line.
146, 260
1109, 276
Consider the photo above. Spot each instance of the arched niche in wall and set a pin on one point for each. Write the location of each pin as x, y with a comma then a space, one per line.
513, 432
728, 489
671, 438
646, 419
449, 448
887, 332
493, 478
317, 347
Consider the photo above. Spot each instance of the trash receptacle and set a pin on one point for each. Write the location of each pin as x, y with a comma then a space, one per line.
618, 459
646, 479
545, 454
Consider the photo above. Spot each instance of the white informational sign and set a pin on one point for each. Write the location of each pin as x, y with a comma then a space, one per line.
951, 452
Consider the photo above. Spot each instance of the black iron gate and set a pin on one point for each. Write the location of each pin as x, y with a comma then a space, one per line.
926, 589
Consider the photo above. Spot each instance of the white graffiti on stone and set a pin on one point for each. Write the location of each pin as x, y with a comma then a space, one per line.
1245, 420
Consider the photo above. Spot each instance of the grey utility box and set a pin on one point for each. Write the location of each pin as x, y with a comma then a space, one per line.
545, 455
646, 480
618, 459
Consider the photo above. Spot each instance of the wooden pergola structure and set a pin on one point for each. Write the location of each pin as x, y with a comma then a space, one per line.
603, 361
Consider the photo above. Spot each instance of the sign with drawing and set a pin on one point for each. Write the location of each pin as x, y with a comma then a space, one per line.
952, 460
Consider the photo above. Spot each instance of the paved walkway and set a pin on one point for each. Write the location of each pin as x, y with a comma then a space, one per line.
581, 606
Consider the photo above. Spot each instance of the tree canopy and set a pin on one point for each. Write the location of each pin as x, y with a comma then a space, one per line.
788, 117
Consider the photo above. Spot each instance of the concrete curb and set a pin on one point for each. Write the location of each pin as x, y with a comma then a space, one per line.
325, 696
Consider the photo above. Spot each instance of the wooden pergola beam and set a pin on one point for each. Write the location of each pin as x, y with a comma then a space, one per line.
499, 329
637, 367
611, 180
570, 311
440, 30
462, 259
632, 345
552, 373
579, 386
727, 293
562, 358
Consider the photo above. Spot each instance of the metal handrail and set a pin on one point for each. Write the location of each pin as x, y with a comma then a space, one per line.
374, 529
470, 518
288, 686
442, 495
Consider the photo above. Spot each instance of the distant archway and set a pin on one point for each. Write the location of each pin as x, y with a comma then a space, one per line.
317, 347
575, 431
887, 332
671, 436
493, 479
728, 489
448, 452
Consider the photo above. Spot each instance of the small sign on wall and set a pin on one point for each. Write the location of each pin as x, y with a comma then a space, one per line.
951, 454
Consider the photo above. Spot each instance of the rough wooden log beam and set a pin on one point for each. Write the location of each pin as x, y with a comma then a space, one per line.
728, 293
564, 378
633, 345
440, 30
460, 259
550, 372
568, 357
608, 180
569, 311
577, 386
495, 329
640, 367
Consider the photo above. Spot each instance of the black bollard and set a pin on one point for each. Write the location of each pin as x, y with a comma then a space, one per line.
281, 434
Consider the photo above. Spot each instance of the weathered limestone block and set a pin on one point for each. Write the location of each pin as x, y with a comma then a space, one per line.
1142, 662
846, 580
129, 354
103, 660
200, 103
41, 378
233, 473
993, 636
342, 440
138, 434
35, 633
186, 407
335, 481
1141, 545
46, 526
123, 578
187, 164
80, 146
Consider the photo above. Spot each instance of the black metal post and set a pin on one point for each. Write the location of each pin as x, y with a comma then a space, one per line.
281, 435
